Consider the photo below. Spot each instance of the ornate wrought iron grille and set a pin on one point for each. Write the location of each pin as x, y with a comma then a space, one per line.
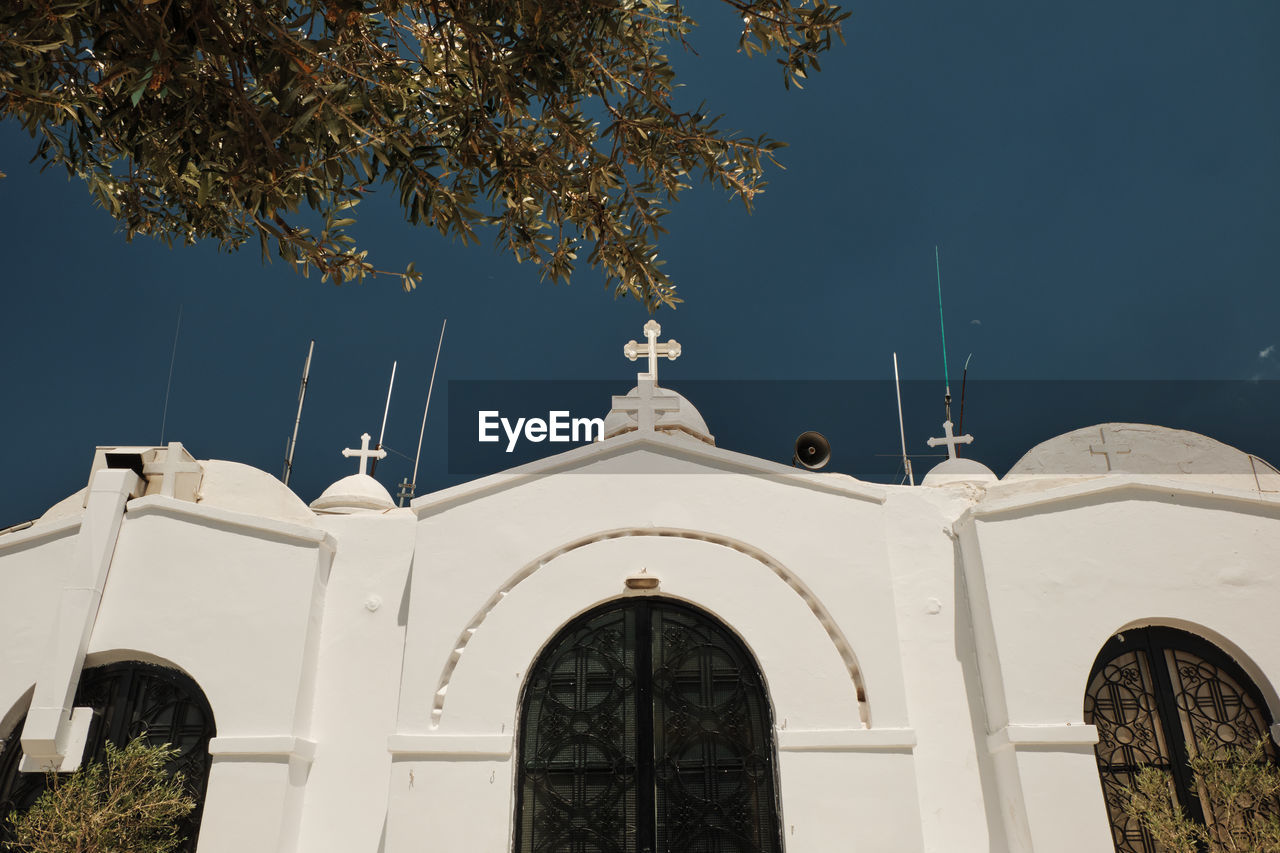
129, 699
646, 729
1155, 694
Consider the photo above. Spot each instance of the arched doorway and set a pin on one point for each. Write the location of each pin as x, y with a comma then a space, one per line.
1156, 695
645, 727
128, 699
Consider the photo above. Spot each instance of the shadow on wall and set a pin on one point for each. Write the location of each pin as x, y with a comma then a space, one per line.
967, 655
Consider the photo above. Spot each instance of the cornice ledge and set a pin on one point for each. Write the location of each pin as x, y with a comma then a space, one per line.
450, 746
845, 740
38, 532
1043, 734
264, 747
994, 506
265, 527
689, 450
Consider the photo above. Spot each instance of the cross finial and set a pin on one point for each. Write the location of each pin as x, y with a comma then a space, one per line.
364, 452
1106, 449
171, 467
652, 350
648, 406
951, 440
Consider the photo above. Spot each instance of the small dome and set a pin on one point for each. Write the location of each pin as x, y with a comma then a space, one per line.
685, 418
354, 494
958, 470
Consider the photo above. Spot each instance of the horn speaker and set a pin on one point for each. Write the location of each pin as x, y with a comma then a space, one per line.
813, 451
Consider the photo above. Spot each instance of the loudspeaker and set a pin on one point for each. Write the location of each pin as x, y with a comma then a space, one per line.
813, 451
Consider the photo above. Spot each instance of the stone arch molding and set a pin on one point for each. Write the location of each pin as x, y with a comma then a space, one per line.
804, 656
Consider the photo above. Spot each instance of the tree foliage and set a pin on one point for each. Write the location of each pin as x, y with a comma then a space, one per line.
129, 803
551, 121
1239, 789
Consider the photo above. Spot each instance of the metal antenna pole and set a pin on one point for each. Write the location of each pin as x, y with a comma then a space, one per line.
302, 395
173, 356
943, 326
413, 484
385, 411
902, 433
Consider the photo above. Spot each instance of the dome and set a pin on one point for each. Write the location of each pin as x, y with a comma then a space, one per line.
243, 488
1125, 448
685, 418
354, 494
958, 470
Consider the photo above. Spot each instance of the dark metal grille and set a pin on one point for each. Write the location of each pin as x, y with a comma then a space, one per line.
1154, 694
646, 728
129, 699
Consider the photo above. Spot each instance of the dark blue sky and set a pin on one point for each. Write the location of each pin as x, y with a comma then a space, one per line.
1103, 181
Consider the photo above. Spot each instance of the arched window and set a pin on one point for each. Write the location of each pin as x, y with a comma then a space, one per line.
1155, 695
128, 699
645, 727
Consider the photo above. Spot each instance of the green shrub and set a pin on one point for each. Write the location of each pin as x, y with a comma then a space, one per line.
127, 804
1238, 787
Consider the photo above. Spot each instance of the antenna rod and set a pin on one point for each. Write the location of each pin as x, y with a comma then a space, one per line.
943, 326
963, 376
413, 484
385, 411
302, 395
164, 416
902, 433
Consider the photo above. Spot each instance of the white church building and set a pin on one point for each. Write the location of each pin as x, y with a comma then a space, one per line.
651, 644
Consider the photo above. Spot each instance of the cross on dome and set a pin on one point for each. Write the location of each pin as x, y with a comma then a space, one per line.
1106, 450
170, 468
364, 453
652, 350
951, 440
647, 405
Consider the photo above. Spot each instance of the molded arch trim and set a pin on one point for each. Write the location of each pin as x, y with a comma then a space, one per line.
815, 606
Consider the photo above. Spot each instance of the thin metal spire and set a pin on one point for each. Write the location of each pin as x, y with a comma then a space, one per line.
946, 379
302, 395
407, 490
383, 432
173, 356
902, 433
964, 376
941, 322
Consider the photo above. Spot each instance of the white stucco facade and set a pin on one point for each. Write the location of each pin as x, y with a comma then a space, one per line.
925, 649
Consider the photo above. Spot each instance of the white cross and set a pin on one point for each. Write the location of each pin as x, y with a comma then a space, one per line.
364, 452
653, 350
1106, 449
950, 441
170, 468
649, 405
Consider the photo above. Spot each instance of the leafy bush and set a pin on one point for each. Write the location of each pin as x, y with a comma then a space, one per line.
1239, 788
127, 804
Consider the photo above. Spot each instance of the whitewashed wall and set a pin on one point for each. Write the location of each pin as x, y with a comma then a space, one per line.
1051, 576
365, 670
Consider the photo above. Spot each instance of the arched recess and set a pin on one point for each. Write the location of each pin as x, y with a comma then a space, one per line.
129, 698
818, 610
645, 724
14, 793
1158, 696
